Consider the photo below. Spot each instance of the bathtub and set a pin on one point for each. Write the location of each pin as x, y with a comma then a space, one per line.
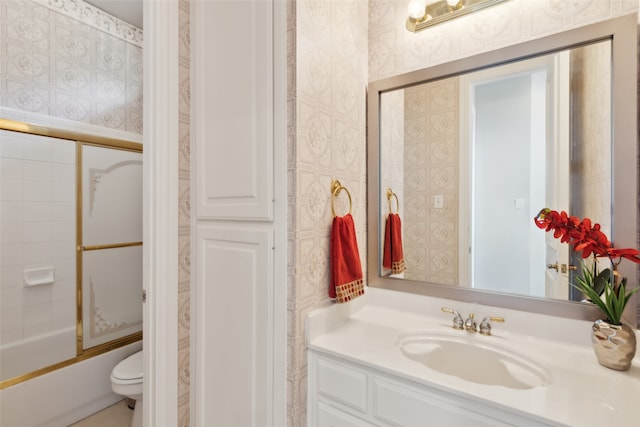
64, 396
34, 353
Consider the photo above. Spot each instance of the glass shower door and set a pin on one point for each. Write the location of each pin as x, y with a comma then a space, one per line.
111, 249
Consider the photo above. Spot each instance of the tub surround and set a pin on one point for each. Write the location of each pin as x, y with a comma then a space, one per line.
581, 392
26, 356
66, 395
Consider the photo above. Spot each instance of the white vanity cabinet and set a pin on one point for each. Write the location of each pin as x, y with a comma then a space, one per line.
364, 370
348, 394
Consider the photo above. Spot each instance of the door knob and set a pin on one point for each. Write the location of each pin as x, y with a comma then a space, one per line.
562, 268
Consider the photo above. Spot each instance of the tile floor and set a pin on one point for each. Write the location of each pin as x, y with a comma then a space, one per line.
116, 415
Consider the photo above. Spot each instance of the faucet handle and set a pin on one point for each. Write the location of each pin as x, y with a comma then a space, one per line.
457, 319
470, 323
485, 326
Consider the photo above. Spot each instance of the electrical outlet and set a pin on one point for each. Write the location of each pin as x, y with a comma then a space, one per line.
438, 201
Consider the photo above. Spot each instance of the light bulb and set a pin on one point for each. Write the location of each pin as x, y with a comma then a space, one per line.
453, 3
417, 9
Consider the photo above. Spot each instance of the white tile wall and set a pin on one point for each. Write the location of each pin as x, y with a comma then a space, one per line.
37, 220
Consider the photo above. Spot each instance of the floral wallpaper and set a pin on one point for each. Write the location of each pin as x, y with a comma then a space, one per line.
431, 232
321, 36
590, 126
184, 215
54, 64
327, 78
394, 50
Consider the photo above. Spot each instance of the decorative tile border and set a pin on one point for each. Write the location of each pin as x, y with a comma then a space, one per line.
96, 18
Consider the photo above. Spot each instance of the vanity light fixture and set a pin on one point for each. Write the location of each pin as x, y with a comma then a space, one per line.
425, 13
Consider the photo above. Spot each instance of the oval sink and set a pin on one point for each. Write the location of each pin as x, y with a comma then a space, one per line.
468, 357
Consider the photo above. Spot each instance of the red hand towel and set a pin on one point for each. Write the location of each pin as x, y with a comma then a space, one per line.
393, 257
346, 271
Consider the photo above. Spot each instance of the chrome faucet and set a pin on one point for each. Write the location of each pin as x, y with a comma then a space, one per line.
470, 324
485, 326
457, 319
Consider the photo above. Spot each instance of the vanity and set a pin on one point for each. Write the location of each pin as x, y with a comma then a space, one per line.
393, 359
443, 156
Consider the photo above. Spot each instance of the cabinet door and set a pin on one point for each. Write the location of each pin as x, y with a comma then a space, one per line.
233, 103
329, 416
239, 165
408, 407
342, 384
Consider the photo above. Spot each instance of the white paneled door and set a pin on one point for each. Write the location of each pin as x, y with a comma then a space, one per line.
239, 197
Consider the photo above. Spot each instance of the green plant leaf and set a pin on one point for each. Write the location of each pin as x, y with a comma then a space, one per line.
599, 289
601, 280
617, 302
594, 297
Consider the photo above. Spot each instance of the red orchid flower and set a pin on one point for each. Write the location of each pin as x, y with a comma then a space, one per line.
630, 254
582, 235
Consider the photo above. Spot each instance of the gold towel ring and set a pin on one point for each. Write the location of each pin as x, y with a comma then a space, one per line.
391, 194
336, 187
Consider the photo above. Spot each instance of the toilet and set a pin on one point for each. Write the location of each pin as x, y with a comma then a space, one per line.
126, 380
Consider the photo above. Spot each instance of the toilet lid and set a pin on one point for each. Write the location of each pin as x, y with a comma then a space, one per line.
130, 368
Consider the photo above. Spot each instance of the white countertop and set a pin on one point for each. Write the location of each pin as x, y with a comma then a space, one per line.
581, 392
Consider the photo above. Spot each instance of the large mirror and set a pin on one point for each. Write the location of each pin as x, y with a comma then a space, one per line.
467, 153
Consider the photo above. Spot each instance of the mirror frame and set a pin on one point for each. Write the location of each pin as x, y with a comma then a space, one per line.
622, 32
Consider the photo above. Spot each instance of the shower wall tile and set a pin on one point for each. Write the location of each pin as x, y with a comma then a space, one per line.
36, 232
11, 234
37, 220
11, 298
59, 68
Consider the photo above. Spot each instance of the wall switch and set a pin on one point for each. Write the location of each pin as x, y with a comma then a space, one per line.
438, 201
518, 204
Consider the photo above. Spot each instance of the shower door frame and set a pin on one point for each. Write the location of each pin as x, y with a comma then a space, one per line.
77, 138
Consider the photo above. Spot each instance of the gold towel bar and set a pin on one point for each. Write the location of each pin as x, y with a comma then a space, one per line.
336, 187
109, 246
391, 194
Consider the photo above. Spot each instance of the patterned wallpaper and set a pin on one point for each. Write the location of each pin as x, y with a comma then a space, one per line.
53, 64
394, 50
392, 163
94, 17
430, 232
592, 152
327, 78
327, 39
184, 215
